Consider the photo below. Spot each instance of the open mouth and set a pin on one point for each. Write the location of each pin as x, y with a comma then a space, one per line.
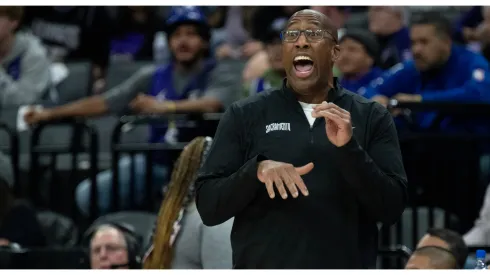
303, 66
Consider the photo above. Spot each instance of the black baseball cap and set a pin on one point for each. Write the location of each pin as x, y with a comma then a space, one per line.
273, 32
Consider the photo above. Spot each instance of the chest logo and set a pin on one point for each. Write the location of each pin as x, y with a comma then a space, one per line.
277, 127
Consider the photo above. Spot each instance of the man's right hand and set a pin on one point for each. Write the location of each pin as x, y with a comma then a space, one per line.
280, 174
34, 116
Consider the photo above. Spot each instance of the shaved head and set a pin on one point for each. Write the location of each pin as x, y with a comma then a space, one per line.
325, 22
432, 257
308, 61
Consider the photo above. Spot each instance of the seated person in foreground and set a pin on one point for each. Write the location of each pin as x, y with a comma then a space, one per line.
113, 246
440, 71
181, 240
192, 82
449, 241
431, 257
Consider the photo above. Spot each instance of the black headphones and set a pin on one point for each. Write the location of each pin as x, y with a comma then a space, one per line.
133, 242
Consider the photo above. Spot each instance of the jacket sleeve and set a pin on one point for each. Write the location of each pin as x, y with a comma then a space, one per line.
395, 80
473, 90
32, 84
227, 182
376, 174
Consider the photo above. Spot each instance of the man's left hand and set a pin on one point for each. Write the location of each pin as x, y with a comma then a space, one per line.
408, 98
338, 125
146, 104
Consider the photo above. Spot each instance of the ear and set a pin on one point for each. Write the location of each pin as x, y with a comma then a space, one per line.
335, 53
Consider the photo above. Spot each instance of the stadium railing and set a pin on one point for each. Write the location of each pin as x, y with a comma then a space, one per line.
75, 148
13, 152
442, 166
190, 126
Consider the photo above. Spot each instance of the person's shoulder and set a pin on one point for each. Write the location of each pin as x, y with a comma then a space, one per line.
364, 106
402, 67
147, 71
256, 101
31, 46
471, 58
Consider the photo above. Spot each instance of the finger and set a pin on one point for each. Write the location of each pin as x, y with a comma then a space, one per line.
298, 181
334, 117
269, 185
336, 107
290, 184
305, 169
280, 186
322, 105
340, 114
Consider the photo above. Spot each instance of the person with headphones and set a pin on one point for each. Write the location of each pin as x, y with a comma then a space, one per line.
181, 240
113, 246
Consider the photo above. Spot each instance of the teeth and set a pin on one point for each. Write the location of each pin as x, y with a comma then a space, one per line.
302, 57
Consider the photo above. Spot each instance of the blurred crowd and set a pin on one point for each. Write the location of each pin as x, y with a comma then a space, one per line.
387, 53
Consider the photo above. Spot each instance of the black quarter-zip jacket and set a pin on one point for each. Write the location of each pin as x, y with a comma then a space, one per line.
351, 188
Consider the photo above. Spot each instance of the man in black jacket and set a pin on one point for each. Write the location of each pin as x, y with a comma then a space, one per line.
268, 144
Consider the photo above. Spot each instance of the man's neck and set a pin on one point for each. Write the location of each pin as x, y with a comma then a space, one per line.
316, 97
6, 45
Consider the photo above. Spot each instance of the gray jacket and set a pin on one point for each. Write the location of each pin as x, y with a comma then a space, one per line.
201, 247
33, 71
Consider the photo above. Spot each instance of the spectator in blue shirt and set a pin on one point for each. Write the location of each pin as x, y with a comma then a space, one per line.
358, 59
440, 70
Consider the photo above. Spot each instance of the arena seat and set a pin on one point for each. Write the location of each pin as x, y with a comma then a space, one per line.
78, 83
120, 71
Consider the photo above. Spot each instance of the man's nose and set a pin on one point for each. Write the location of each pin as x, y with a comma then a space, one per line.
103, 253
302, 42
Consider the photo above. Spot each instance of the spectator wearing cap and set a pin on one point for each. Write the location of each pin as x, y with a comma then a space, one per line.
192, 82
273, 77
358, 59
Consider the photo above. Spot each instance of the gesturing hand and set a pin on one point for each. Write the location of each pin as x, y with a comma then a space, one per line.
338, 124
279, 174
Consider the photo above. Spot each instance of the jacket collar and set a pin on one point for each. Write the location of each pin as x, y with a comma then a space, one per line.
333, 94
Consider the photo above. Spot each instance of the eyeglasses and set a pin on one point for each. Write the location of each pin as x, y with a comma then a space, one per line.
108, 247
311, 35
